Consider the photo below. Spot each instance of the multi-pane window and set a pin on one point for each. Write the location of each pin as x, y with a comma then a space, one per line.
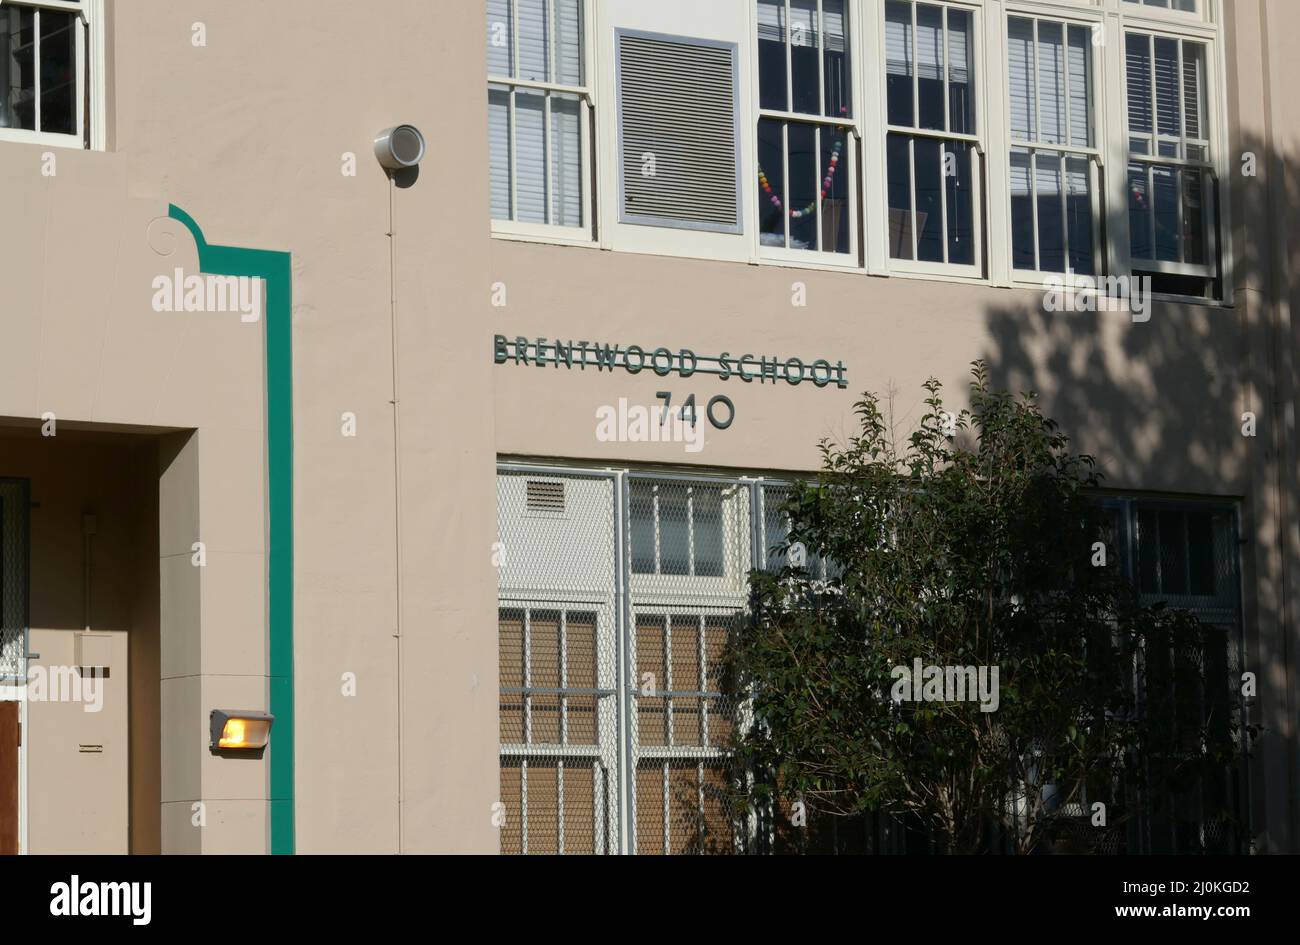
683, 727
677, 529
807, 147
42, 49
1053, 146
538, 112
552, 783
932, 141
1182, 6
1170, 175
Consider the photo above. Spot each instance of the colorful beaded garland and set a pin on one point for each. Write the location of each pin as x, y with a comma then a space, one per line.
827, 180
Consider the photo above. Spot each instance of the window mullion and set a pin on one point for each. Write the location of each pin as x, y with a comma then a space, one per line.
514, 40
817, 182
785, 181
821, 62
914, 65
1033, 202
911, 171
1038, 96
943, 197
512, 164
548, 172
788, 36
36, 70
1065, 75
944, 76
1065, 208
1151, 214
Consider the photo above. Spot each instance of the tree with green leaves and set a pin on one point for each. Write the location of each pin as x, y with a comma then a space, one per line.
974, 545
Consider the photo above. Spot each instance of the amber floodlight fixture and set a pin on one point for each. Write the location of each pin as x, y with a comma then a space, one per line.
240, 730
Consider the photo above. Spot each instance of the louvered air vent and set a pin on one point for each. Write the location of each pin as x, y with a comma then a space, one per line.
678, 133
545, 496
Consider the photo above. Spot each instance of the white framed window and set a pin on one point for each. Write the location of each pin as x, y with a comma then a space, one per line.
807, 137
1054, 154
1171, 181
539, 118
1174, 6
933, 142
51, 89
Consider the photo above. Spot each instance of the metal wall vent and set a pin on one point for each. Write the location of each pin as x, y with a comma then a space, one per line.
678, 132
545, 495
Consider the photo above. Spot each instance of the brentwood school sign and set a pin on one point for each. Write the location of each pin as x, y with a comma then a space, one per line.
684, 362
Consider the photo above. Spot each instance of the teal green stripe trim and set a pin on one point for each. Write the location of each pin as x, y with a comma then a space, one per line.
274, 268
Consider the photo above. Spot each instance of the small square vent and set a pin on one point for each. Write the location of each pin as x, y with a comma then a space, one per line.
545, 495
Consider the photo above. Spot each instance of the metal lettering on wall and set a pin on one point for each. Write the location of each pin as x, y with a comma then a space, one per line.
684, 362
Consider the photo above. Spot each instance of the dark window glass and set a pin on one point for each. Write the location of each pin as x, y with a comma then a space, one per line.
771, 183
58, 72
803, 186
707, 503
643, 527
17, 68
900, 196
961, 219
674, 531
898, 65
929, 219
1173, 553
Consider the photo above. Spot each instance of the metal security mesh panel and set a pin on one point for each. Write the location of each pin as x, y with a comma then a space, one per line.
773, 529
14, 509
558, 645
677, 112
1186, 556
690, 547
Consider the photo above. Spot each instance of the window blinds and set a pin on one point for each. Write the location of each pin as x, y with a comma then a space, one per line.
547, 43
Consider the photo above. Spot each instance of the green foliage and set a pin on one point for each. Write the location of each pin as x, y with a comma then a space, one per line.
975, 550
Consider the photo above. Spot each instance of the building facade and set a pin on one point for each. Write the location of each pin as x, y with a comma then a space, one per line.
458, 470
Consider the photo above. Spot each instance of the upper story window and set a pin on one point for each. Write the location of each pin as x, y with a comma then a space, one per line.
44, 56
1053, 178
807, 139
1170, 175
539, 116
932, 145
738, 130
677, 529
1181, 6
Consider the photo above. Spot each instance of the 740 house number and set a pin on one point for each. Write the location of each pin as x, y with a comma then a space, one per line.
715, 406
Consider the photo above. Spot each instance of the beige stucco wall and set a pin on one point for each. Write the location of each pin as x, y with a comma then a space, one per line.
249, 135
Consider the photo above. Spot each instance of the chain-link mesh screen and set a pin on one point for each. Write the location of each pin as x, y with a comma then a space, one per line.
1186, 556
773, 531
619, 595
14, 507
558, 645
691, 547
